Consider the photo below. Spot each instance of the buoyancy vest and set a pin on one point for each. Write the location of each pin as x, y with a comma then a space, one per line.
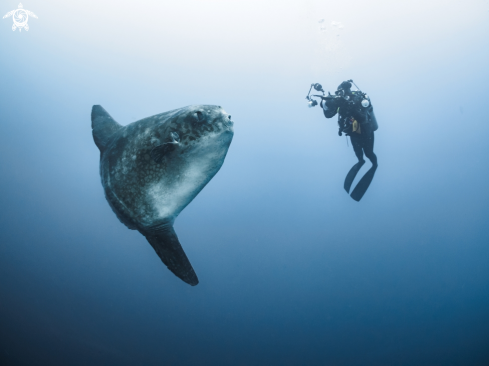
351, 116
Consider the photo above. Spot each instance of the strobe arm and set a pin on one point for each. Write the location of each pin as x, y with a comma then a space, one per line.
311, 102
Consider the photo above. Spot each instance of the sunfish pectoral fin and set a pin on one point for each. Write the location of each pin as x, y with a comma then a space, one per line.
158, 152
165, 242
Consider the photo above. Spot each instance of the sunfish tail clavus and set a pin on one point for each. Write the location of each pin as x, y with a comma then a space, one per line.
153, 168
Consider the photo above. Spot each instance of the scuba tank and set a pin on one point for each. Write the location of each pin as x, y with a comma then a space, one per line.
371, 119
374, 126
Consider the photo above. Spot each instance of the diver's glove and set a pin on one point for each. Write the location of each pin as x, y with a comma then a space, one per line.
339, 133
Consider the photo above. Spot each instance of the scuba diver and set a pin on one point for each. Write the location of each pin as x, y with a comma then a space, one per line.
356, 119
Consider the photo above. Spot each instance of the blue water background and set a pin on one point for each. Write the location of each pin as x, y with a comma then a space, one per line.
292, 270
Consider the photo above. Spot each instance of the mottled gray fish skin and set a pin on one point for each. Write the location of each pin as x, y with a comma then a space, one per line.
153, 168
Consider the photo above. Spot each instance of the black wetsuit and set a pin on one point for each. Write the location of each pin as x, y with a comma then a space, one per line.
364, 143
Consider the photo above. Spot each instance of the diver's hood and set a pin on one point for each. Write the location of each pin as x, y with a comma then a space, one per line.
345, 86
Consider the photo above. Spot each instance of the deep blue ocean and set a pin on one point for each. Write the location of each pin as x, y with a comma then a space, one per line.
292, 270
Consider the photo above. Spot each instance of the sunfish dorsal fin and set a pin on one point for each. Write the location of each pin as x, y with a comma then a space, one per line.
103, 127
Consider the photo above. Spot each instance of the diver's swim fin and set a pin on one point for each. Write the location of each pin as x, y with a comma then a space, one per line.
364, 183
350, 177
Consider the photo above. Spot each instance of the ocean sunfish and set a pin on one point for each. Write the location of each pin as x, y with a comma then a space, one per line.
153, 168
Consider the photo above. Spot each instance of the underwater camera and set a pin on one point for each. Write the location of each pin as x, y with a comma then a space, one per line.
342, 92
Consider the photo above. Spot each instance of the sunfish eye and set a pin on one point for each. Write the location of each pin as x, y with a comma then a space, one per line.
200, 116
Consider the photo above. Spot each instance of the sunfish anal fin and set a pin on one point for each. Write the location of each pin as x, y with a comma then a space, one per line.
165, 242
